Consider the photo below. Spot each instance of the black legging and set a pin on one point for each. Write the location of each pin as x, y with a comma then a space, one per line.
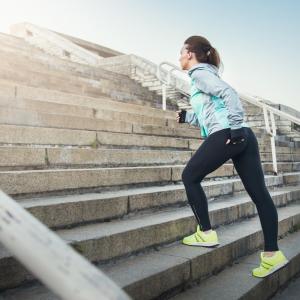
246, 159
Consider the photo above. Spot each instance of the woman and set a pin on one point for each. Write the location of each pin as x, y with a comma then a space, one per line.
218, 112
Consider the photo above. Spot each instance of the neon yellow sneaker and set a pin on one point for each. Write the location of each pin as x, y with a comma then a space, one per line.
269, 265
199, 238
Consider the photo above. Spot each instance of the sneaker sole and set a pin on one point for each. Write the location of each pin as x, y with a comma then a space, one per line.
202, 244
274, 270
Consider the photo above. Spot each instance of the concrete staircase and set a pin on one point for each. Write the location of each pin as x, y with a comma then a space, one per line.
88, 152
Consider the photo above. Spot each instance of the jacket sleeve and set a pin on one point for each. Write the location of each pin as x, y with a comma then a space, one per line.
211, 84
191, 118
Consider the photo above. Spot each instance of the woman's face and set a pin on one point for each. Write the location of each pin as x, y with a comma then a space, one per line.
184, 59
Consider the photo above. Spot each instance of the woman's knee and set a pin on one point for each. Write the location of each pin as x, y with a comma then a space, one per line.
188, 176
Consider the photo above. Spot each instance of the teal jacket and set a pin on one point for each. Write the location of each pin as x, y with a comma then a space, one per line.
216, 105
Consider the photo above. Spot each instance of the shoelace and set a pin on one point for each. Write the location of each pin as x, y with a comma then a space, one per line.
265, 265
198, 236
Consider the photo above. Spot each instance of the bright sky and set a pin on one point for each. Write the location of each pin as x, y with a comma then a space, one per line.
259, 41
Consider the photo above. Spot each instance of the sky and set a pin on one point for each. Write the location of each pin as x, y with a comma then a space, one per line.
258, 41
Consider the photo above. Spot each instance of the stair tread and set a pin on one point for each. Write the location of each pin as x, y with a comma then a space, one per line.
291, 292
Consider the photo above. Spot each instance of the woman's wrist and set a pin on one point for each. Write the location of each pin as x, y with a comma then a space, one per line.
182, 115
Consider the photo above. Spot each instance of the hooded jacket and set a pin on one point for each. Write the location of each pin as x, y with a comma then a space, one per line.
216, 105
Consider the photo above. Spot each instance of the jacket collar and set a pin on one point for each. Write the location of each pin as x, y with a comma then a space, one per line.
203, 66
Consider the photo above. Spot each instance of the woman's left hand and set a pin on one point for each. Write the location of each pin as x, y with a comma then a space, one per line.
237, 142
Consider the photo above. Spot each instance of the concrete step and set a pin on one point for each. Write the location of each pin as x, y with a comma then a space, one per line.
293, 134
96, 119
16, 92
21, 116
46, 107
289, 290
158, 88
142, 137
91, 207
68, 180
11, 134
30, 157
63, 99
262, 139
102, 119
20, 158
151, 83
120, 90
260, 117
14, 134
236, 281
62, 181
17, 45
146, 84
279, 123
42, 60
267, 157
80, 70
253, 111
143, 78
166, 269
36, 59
15, 41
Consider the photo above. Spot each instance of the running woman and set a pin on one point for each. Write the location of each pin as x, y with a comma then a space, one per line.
217, 110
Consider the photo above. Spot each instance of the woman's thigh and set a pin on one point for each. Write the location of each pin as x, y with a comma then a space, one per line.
213, 153
248, 165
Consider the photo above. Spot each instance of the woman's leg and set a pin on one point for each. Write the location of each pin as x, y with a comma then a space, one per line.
248, 166
211, 155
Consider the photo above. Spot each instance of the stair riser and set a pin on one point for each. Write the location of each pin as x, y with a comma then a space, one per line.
135, 135
65, 181
28, 135
22, 158
103, 119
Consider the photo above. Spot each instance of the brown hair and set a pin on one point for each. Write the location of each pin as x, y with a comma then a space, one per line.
204, 51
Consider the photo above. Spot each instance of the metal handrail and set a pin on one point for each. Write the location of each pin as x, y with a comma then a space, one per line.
274, 110
64, 271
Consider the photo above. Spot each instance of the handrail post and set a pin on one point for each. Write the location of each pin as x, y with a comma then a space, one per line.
272, 133
164, 96
266, 119
273, 144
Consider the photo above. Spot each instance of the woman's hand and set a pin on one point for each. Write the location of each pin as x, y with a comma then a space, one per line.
237, 136
180, 116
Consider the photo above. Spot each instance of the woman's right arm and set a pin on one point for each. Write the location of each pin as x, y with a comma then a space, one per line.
191, 118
